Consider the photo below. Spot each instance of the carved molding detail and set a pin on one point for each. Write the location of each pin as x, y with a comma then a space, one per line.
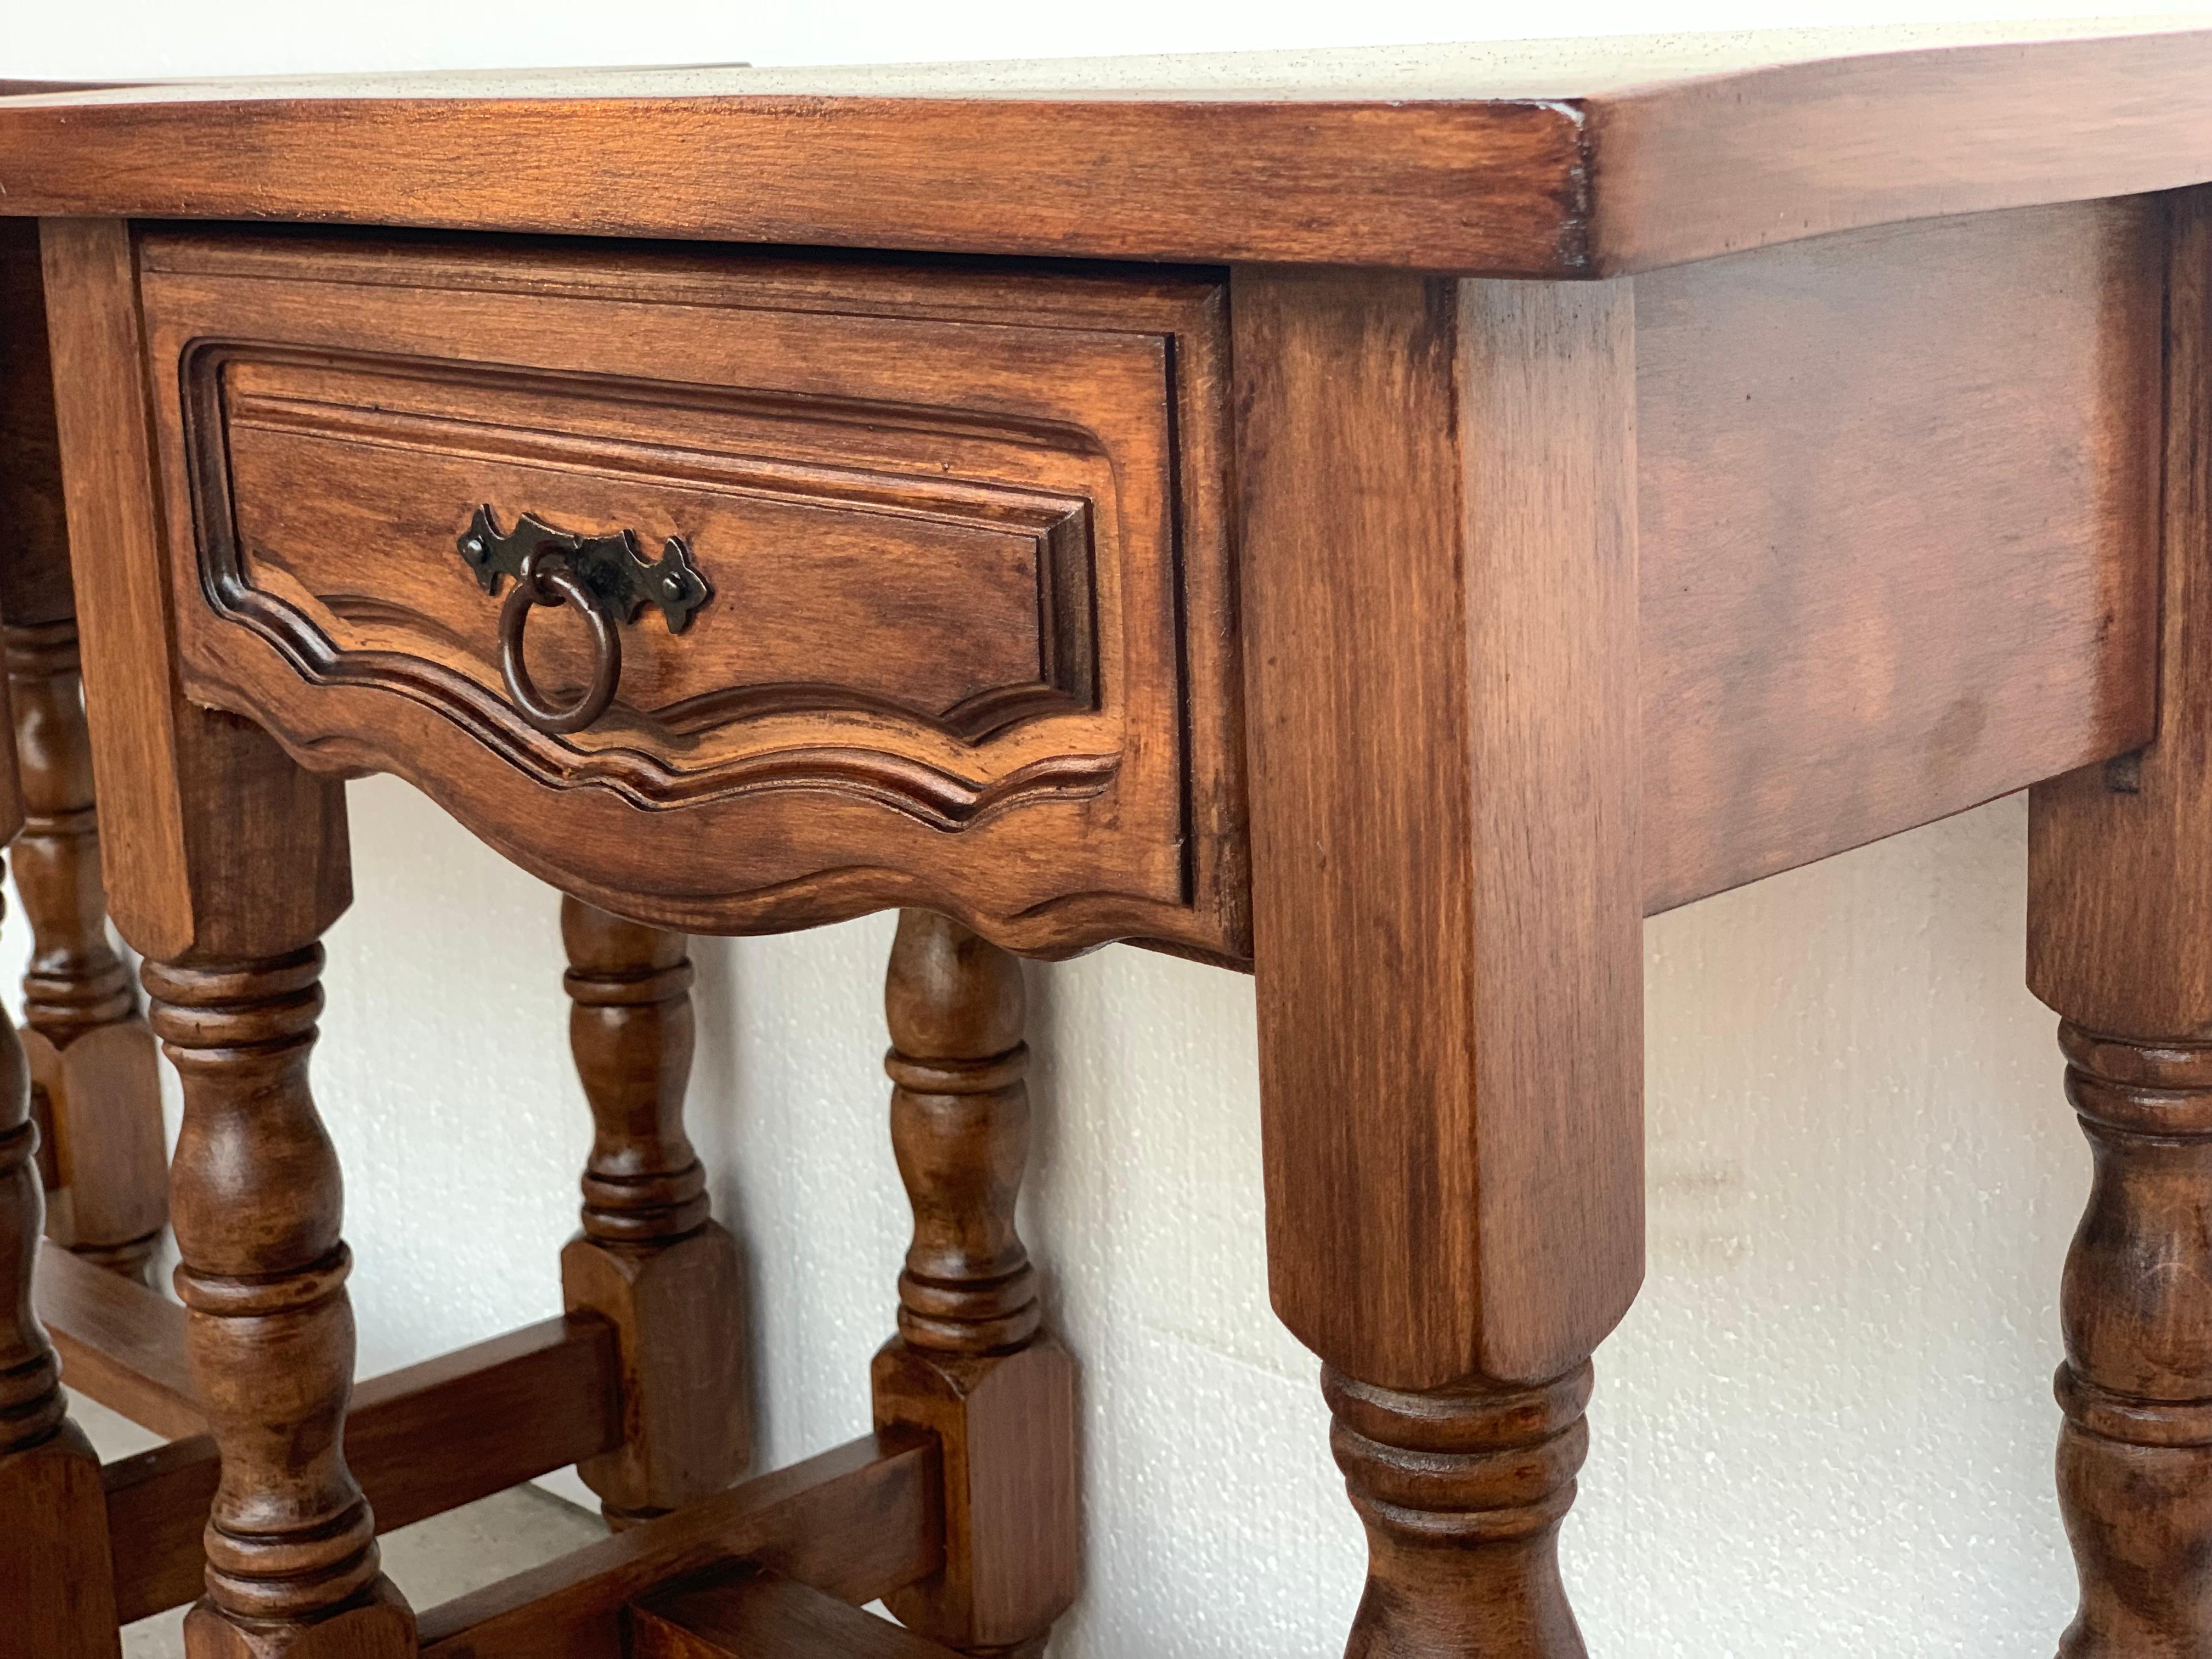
1064, 682
973, 643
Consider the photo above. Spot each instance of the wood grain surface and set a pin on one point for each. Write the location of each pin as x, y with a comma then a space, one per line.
94, 1079
2119, 943
200, 806
120, 1343
35, 577
2117, 898
651, 1263
1439, 497
1439, 494
970, 1366
424, 1440
1529, 161
293, 1566
852, 1523
761, 1616
1898, 527
972, 637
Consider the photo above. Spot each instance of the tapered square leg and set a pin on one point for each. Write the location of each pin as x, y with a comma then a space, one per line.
2120, 945
1441, 634
227, 861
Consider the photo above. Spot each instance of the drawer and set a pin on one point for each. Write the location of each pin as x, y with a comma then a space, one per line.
918, 574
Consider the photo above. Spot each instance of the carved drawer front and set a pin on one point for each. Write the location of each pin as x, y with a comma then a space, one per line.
819, 586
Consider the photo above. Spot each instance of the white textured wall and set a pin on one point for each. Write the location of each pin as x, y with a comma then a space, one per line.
1826, 1429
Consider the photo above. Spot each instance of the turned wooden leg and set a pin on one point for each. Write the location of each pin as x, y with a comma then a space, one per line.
650, 1258
226, 863
56, 1600
2120, 945
94, 1088
1441, 634
2134, 1456
291, 1545
970, 1363
1462, 1492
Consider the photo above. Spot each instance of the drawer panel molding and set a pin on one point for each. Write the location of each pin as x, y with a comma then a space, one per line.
965, 636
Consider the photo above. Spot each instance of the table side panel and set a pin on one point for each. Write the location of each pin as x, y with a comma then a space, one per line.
1897, 493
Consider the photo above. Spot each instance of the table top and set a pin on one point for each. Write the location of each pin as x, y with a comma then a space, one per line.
1544, 158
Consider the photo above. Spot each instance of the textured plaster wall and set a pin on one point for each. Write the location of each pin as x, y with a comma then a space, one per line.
1826, 1429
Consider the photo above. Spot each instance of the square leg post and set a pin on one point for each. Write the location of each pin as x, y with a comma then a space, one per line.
1440, 598
2120, 947
227, 863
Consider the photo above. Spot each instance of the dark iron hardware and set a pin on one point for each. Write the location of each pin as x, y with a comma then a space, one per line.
544, 582
612, 565
604, 578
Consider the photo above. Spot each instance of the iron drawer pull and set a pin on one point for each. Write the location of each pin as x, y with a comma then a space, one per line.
544, 580
604, 577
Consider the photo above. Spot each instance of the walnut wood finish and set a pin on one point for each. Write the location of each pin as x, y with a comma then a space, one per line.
1462, 1492
35, 577
855, 1523
1438, 501
762, 1616
54, 1546
1811, 679
1889, 543
1024, 468
2134, 1457
650, 1259
121, 1343
292, 1557
94, 1090
1425, 953
1896, 521
216, 845
970, 1363
2120, 944
227, 913
91, 1054
1546, 159
421, 1441
54, 1533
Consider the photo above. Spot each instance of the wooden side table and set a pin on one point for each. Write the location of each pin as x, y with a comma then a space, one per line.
1387, 522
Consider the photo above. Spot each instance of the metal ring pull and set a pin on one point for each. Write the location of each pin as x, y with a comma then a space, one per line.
551, 584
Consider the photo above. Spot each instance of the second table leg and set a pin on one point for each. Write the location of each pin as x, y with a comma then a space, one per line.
2120, 945
292, 1557
1440, 622
970, 1364
651, 1258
